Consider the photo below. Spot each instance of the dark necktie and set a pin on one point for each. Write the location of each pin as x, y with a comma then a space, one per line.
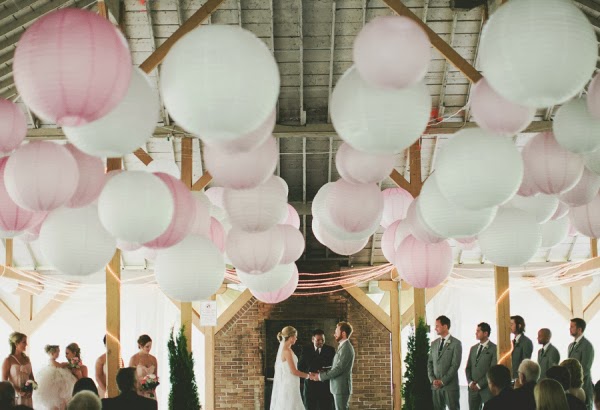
479, 352
441, 347
572, 347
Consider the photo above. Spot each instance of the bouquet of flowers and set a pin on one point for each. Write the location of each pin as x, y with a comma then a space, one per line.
149, 383
75, 363
29, 386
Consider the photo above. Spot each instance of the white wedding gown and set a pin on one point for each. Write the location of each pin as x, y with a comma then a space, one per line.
286, 387
55, 388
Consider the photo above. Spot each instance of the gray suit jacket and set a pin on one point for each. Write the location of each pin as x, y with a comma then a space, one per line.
584, 352
340, 375
547, 359
445, 366
477, 368
521, 351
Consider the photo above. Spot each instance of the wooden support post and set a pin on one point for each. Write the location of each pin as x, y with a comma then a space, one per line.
503, 315
209, 364
594, 247
9, 252
576, 293
186, 178
26, 311
396, 347
419, 304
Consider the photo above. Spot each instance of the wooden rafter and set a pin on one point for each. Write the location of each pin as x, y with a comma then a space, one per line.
409, 314
373, 308
233, 309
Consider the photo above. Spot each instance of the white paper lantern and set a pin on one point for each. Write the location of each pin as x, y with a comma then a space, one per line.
538, 53
586, 218
554, 232
202, 222
255, 252
339, 246
149, 207
512, 239
128, 246
476, 169
354, 207
392, 237
376, 120
448, 220
543, 207
75, 242
293, 244
418, 227
269, 281
125, 128
215, 195
592, 161
291, 218
359, 167
585, 190
562, 210
219, 82
575, 128
395, 205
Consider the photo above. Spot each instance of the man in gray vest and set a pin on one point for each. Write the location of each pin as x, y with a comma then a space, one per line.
548, 355
340, 375
482, 356
582, 350
442, 367
522, 345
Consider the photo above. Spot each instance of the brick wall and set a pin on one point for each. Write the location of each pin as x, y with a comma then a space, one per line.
241, 360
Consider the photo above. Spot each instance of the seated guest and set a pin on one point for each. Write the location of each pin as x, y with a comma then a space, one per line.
549, 395
7, 396
499, 379
85, 384
529, 373
128, 399
576, 372
561, 374
85, 400
597, 395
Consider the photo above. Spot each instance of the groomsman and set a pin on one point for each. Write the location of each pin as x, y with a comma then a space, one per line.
522, 345
582, 350
316, 358
442, 367
482, 357
548, 355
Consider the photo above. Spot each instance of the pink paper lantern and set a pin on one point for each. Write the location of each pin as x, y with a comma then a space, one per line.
13, 126
417, 227
528, 187
354, 207
41, 176
292, 218
279, 295
593, 97
381, 49
202, 222
242, 170
217, 234
184, 214
251, 140
91, 178
554, 170
392, 237
341, 247
424, 265
561, 211
586, 218
395, 205
487, 104
585, 190
256, 252
293, 244
359, 167
72, 67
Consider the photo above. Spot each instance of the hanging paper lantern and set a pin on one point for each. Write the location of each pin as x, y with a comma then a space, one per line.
339, 246
292, 218
585, 190
72, 67
257, 252
592, 161
554, 232
538, 53
32, 234
250, 141
13, 126
201, 224
476, 169
593, 97
192, 270
128, 246
91, 178
270, 281
466, 244
242, 170
392, 237
75, 242
224, 99
359, 167
354, 207
554, 170
528, 186
376, 120
512, 239
486, 103
41, 176
422, 264
575, 128
217, 234
543, 207
149, 209
395, 205
215, 195
281, 294
284, 184
150, 254
293, 244
418, 228
562, 210
586, 218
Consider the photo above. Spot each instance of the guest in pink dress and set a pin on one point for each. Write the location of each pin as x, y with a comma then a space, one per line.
145, 364
16, 368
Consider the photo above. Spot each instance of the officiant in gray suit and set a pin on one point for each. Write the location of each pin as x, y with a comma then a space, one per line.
582, 350
340, 375
482, 356
548, 355
442, 367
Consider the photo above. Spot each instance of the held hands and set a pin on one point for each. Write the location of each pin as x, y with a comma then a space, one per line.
314, 377
438, 384
473, 387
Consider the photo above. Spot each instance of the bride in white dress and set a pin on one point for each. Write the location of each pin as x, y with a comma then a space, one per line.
286, 384
55, 383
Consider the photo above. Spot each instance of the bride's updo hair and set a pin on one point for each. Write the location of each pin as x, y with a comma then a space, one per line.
51, 349
14, 339
286, 333
74, 347
143, 340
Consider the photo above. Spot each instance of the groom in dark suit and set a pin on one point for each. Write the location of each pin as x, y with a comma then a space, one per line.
315, 358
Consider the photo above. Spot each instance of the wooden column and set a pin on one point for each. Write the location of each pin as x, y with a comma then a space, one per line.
393, 288
186, 178
209, 363
9, 252
576, 293
419, 304
503, 315
594, 247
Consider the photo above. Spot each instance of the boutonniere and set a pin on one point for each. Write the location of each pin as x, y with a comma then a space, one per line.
447, 342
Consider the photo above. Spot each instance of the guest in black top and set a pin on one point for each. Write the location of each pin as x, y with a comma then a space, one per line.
499, 379
561, 374
128, 399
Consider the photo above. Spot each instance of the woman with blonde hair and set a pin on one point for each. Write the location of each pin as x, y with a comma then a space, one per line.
549, 395
73, 355
576, 372
55, 382
286, 383
16, 368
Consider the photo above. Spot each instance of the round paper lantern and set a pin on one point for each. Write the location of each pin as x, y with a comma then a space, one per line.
184, 214
585, 190
32, 234
149, 209
466, 244
512, 239
554, 170
448, 220
586, 218
41, 176
128, 246
293, 244
395, 205
242, 170
487, 103
72, 67
215, 195
538, 53
91, 178
166, 166
192, 270
252, 140
554, 232
543, 207
126, 128
217, 234
359, 167
224, 98
281, 294
592, 161
284, 184
255, 252
75, 242
575, 129
562, 210
150, 254
339, 246
528, 186
292, 218
376, 120
392, 237
380, 51
256, 209
13, 126
593, 97
418, 228
201, 224
422, 264
476, 169
270, 281
354, 207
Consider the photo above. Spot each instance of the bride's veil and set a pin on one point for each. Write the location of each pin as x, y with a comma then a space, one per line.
277, 378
